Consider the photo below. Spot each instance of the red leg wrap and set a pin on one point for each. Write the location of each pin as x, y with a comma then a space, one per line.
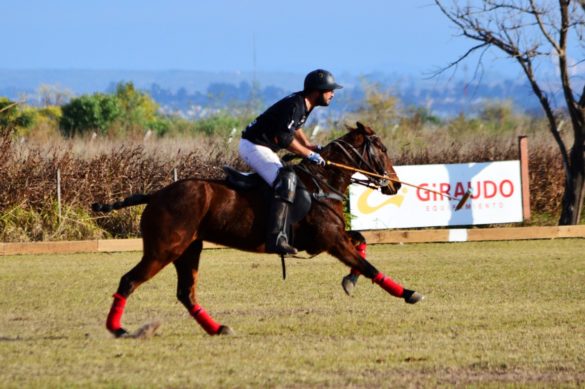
115, 317
388, 285
361, 248
205, 320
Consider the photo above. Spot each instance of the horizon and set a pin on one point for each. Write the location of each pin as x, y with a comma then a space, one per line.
183, 91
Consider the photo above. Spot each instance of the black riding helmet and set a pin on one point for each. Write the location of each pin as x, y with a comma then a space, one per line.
320, 80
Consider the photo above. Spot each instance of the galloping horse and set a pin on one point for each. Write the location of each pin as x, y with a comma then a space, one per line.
179, 217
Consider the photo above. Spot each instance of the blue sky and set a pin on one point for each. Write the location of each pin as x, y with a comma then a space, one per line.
227, 35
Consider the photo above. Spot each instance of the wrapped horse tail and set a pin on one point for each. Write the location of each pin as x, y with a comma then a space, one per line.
135, 199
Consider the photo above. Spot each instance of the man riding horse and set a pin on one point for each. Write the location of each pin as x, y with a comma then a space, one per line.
280, 127
178, 218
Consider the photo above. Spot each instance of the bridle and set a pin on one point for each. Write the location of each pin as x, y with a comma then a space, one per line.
364, 157
366, 160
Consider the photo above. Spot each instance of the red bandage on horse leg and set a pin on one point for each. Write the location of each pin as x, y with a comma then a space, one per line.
389, 285
205, 320
116, 312
361, 248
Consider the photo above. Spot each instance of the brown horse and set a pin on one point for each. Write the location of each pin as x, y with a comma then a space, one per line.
179, 217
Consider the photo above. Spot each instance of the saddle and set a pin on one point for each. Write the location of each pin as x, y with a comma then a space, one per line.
303, 200
246, 181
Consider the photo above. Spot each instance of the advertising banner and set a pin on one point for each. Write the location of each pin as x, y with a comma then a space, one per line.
496, 197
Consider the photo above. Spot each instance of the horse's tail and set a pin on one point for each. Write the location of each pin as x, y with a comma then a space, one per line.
135, 199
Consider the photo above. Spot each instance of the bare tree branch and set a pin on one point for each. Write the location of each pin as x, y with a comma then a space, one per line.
527, 30
563, 67
536, 12
461, 58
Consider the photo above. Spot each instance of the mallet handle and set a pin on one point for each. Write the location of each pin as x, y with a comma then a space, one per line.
340, 165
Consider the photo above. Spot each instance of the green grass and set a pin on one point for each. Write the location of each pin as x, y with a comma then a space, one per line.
499, 313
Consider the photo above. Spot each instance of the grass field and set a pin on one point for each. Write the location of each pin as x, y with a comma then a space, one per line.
499, 313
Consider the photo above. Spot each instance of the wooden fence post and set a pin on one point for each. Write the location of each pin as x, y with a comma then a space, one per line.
59, 193
524, 176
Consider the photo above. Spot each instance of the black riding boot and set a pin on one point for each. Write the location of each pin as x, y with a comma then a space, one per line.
277, 240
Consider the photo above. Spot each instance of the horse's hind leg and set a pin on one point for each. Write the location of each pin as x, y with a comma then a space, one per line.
142, 272
187, 266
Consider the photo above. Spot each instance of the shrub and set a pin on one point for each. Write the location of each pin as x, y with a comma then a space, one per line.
14, 116
23, 224
221, 124
88, 113
138, 111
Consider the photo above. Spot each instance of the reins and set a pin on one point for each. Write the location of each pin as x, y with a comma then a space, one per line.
362, 161
321, 194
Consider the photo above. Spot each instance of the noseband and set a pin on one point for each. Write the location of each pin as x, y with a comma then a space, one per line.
366, 160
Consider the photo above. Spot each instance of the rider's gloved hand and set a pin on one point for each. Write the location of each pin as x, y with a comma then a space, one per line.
317, 148
316, 158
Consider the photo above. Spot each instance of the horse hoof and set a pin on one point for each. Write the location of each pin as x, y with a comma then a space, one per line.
347, 284
225, 330
414, 298
120, 333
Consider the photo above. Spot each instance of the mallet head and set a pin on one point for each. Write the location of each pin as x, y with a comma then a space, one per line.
463, 200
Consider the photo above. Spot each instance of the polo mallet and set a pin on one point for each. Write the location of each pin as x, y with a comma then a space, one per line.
461, 201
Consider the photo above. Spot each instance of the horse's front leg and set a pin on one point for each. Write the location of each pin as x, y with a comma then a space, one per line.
347, 253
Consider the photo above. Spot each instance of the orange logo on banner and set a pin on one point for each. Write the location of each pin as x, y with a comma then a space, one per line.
365, 208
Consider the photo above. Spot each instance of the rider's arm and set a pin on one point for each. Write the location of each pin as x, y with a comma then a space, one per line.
302, 138
298, 148
304, 148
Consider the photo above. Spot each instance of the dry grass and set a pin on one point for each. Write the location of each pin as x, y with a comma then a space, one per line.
496, 314
93, 171
105, 170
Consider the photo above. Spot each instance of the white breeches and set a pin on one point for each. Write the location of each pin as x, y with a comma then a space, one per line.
261, 159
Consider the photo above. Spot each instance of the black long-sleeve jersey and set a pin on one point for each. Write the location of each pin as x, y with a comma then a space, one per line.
276, 126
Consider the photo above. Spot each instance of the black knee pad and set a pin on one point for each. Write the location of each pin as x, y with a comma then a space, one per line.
285, 185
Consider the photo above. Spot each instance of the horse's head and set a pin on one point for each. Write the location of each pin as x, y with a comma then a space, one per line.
363, 149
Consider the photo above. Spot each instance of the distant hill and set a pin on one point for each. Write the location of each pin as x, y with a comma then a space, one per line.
182, 90
89, 81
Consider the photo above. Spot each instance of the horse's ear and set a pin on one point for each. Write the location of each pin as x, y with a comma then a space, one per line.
365, 129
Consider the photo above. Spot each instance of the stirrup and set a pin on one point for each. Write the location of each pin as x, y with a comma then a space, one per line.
283, 248
280, 245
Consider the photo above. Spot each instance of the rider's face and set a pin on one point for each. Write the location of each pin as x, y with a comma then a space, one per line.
326, 97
